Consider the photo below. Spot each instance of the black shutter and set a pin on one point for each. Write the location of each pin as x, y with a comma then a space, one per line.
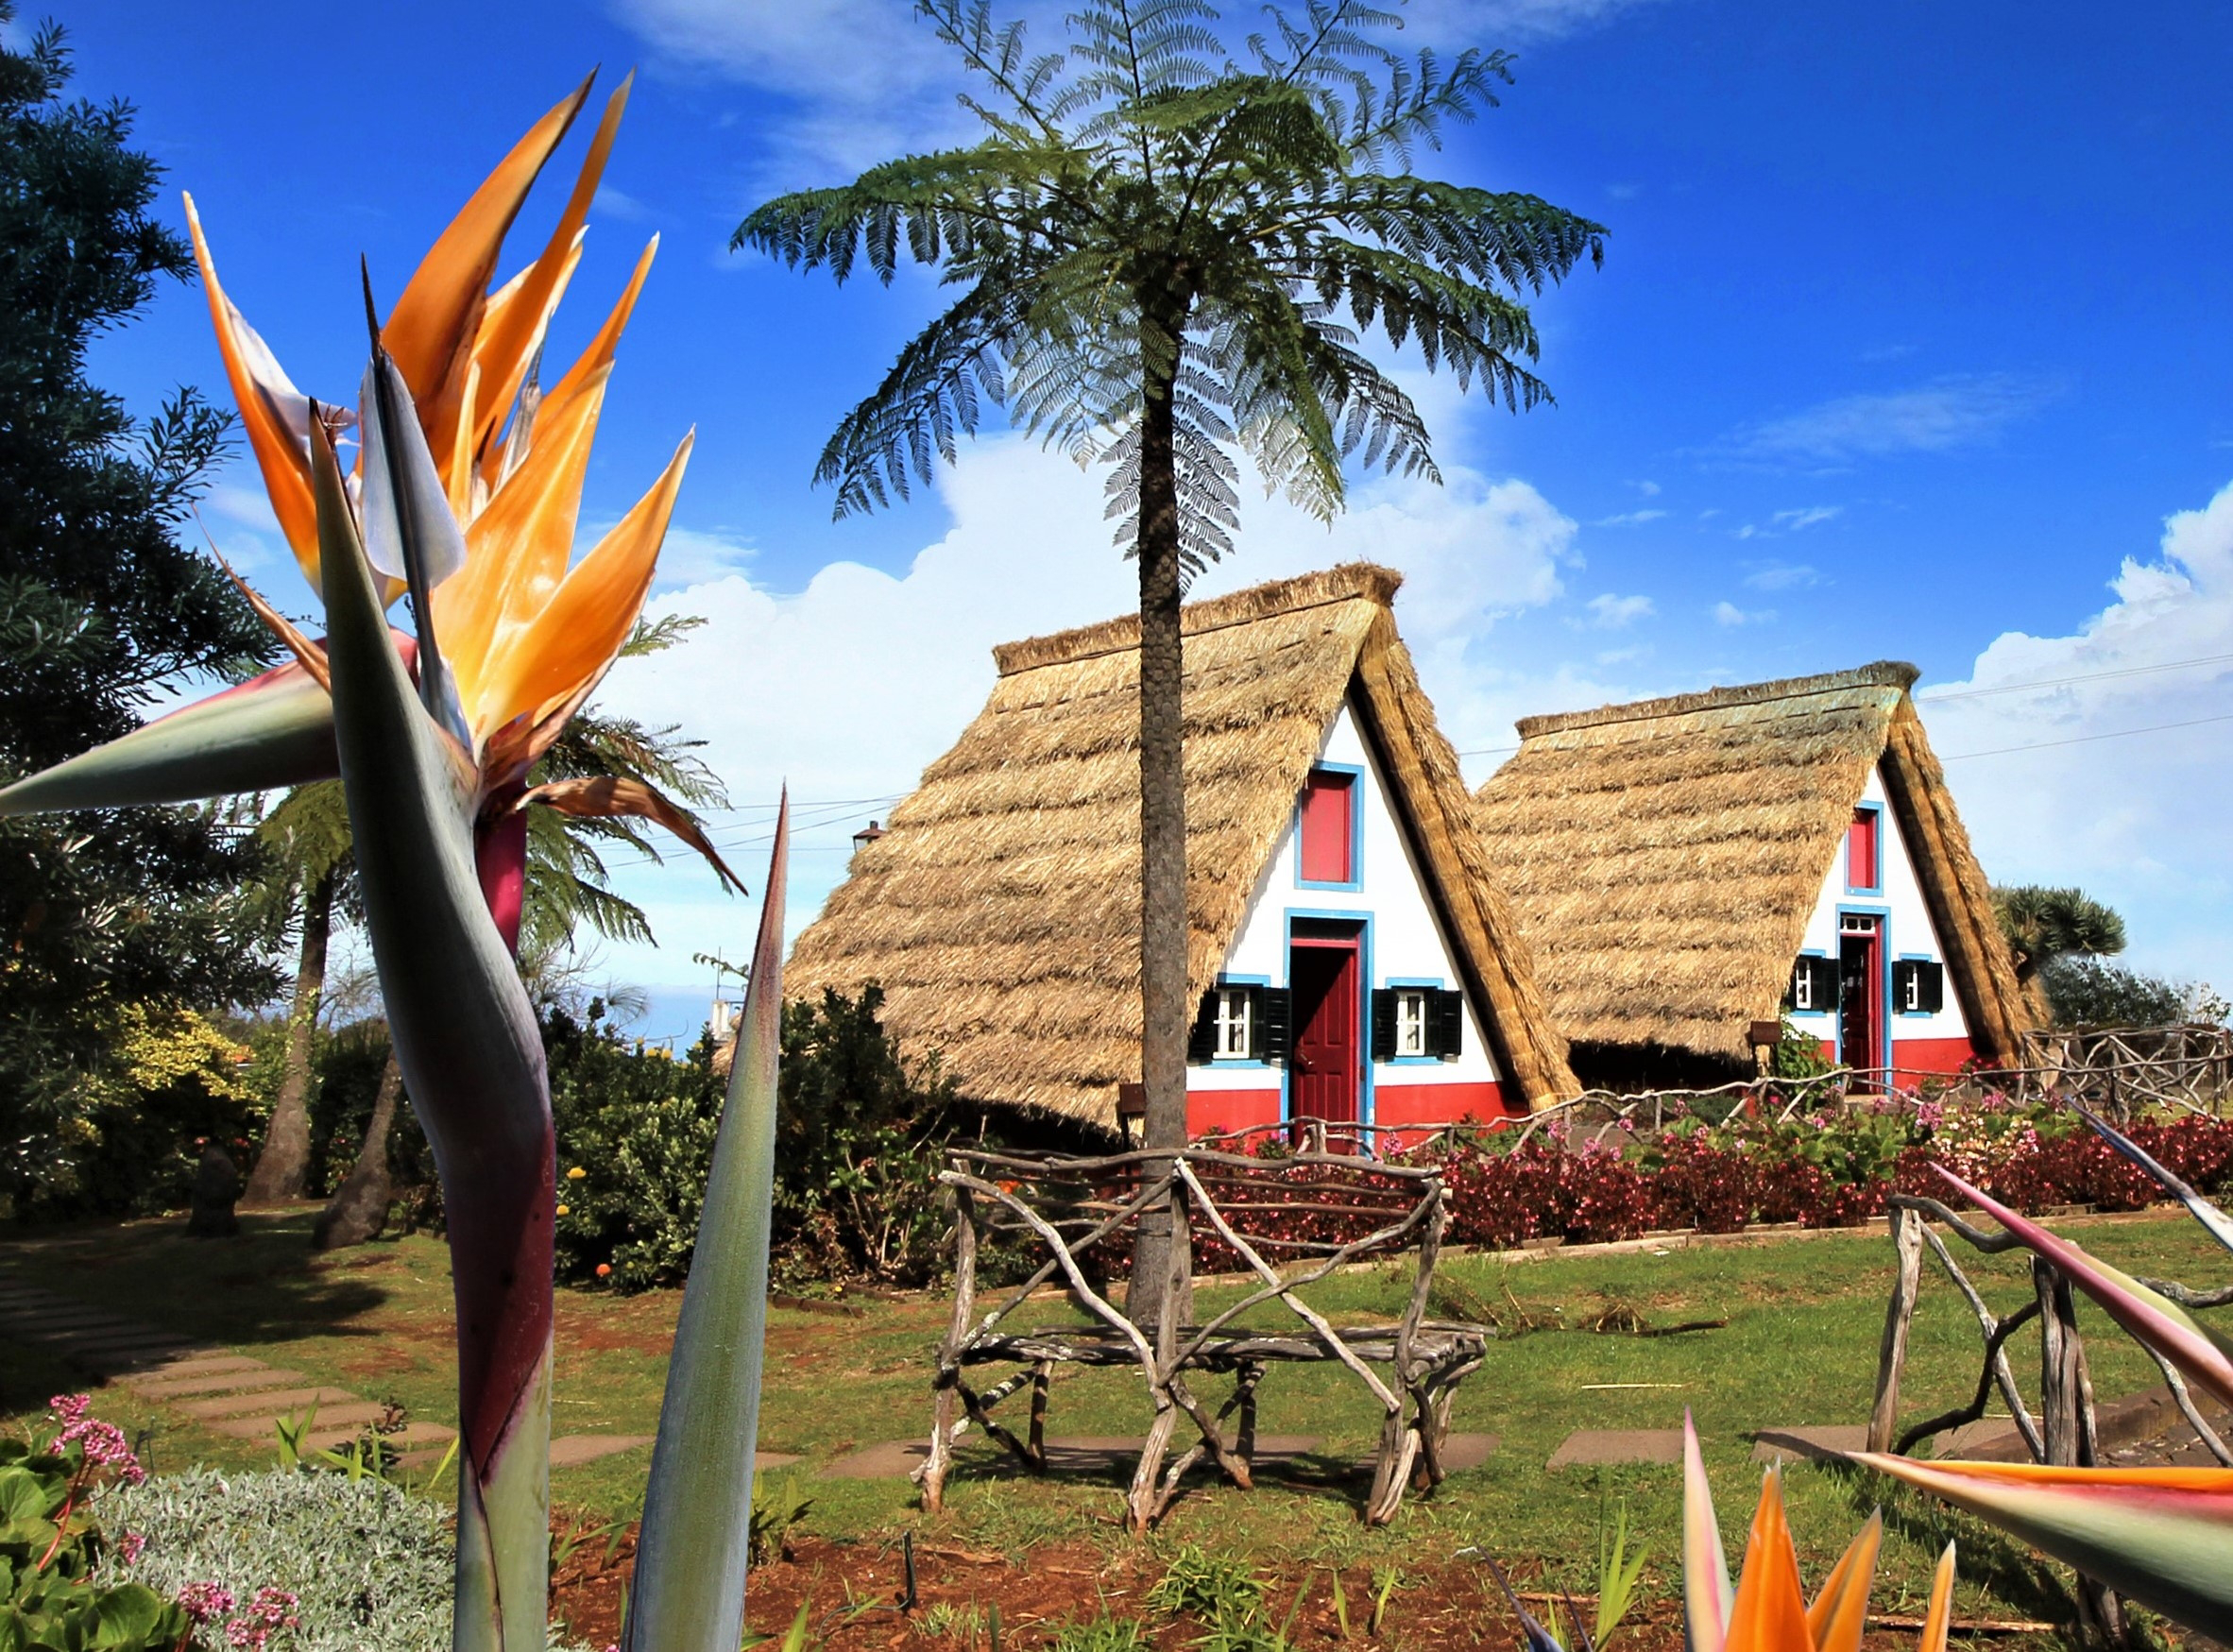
1933, 986
1384, 1024
1201, 1044
1906, 994
1820, 976
1446, 1030
1274, 1022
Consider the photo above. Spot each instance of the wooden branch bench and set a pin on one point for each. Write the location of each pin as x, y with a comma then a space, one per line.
1081, 1213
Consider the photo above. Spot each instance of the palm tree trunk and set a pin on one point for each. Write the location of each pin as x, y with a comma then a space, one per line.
358, 1209
283, 1169
1159, 1262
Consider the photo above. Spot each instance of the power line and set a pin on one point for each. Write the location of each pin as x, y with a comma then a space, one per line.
1934, 698
2134, 671
2082, 739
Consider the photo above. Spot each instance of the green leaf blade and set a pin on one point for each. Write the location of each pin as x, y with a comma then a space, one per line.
273, 731
696, 1539
472, 1059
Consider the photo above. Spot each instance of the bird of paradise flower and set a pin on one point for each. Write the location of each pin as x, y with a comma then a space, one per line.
465, 502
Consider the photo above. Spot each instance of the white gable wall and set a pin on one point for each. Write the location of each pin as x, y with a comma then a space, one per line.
1908, 933
1403, 944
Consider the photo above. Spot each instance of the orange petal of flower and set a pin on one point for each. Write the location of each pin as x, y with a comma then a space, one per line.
268, 410
508, 338
583, 375
1770, 1613
1840, 1613
578, 636
432, 329
490, 466
1941, 1617
518, 547
603, 797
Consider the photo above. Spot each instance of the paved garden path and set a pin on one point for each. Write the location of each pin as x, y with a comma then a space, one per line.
231, 1393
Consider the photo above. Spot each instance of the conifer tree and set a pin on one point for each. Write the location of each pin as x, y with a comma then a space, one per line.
100, 607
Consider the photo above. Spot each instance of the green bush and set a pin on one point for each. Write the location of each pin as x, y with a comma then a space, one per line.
2092, 992
859, 1142
371, 1567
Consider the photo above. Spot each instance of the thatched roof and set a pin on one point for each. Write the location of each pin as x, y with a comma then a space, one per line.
1665, 857
999, 911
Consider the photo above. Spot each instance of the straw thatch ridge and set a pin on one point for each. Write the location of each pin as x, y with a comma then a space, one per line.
999, 911
1663, 857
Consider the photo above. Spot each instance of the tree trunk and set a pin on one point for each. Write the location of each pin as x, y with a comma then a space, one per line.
358, 1209
1160, 1264
283, 1169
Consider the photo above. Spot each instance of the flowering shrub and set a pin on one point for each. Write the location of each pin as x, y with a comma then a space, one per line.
280, 1561
1836, 1169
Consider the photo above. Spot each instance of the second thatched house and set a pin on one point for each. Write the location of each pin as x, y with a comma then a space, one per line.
1351, 957
1687, 867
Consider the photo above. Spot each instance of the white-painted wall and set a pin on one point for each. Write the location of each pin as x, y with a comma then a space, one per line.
1907, 928
1404, 938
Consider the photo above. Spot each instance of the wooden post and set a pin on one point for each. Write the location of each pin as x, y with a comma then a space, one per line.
1042, 1375
2058, 1377
1907, 1245
949, 1356
2066, 1402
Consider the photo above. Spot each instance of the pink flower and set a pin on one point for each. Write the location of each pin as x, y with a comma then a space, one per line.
104, 1447
129, 1545
68, 1408
272, 1609
205, 1603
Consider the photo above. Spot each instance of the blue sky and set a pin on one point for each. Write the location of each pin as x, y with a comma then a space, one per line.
1910, 340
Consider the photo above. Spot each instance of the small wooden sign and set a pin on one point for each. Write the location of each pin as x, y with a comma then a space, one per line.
1131, 1100
1765, 1033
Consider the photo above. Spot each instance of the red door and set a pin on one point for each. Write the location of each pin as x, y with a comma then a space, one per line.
1860, 992
1322, 1071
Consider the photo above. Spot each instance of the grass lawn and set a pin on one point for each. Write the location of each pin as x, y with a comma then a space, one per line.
1800, 1348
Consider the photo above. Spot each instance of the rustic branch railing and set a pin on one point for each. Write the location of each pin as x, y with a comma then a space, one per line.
2116, 1069
1078, 1210
2066, 1431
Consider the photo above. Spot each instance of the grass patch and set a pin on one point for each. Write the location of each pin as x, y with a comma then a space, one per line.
1800, 1348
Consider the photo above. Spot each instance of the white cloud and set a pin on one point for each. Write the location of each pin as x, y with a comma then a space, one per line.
1944, 415
1649, 489
1628, 518
614, 203
848, 688
868, 79
1610, 613
1793, 521
1727, 613
1781, 576
693, 556
2135, 818
1490, 23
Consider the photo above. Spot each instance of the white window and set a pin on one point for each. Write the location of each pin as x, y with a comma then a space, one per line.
1411, 1037
1236, 1007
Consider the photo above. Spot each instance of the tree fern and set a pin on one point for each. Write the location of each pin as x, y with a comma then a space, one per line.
1166, 248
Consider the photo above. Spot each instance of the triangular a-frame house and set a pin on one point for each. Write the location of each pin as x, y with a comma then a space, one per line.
1688, 866
1351, 957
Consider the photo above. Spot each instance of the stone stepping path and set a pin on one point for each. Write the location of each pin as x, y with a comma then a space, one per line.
244, 1398
226, 1393
1590, 1446
1825, 1444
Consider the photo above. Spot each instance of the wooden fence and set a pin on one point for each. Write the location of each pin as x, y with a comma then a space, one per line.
2064, 1429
